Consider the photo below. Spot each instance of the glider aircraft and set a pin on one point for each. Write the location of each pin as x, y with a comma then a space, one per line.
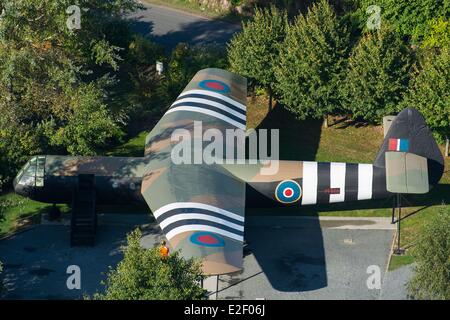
201, 207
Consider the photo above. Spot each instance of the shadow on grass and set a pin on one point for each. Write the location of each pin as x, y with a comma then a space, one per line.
29, 217
303, 269
299, 139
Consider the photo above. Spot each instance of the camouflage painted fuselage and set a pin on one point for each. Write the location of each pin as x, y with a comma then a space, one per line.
118, 181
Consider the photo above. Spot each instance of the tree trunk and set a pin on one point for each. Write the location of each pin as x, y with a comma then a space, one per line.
325, 121
270, 98
446, 146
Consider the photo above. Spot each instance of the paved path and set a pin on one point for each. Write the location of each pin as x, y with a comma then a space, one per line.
170, 26
286, 258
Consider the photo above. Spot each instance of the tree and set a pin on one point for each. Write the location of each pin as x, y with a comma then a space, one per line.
431, 278
86, 124
429, 91
254, 52
312, 62
438, 35
377, 77
144, 275
55, 81
410, 18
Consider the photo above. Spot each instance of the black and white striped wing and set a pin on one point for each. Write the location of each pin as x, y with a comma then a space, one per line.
199, 206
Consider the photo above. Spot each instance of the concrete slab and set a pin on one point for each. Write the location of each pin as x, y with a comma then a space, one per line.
284, 258
309, 263
36, 261
395, 283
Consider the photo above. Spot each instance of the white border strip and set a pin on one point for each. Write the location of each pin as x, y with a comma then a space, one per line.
365, 176
337, 180
199, 216
198, 227
309, 184
186, 205
216, 95
213, 104
210, 113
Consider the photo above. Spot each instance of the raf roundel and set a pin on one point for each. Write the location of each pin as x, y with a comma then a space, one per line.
288, 191
207, 239
214, 85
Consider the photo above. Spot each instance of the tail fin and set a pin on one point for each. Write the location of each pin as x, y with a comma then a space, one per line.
408, 135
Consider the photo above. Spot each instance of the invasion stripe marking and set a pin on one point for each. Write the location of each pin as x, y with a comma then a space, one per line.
209, 113
210, 213
365, 177
351, 182
337, 180
211, 106
309, 182
195, 216
209, 98
379, 183
198, 227
214, 94
323, 182
190, 205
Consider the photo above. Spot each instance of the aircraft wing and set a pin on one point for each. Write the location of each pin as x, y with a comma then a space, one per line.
199, 207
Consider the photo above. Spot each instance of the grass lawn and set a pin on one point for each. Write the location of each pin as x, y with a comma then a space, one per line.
134, 147
399, 261
19, 212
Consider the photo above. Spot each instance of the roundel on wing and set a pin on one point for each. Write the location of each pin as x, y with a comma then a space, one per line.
288, 191
214, 85
207, 239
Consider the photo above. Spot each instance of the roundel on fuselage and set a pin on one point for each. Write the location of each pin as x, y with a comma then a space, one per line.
288, 191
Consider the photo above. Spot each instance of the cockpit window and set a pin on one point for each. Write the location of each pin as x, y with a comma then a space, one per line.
32, 173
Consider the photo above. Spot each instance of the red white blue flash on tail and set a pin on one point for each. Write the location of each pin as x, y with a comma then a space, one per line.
398, 145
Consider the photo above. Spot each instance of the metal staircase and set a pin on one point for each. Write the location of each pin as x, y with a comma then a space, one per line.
84, 217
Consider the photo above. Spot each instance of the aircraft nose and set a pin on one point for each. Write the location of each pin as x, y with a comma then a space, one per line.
30, 177
19, 188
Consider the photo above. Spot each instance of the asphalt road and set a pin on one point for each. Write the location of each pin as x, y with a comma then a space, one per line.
286, 258
169, 27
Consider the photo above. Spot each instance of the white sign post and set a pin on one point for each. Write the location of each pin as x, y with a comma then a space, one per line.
159, 67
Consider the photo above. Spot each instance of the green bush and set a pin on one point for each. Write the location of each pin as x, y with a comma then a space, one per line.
429, 91
144, 275
431, 278
377, 76
312, 63
185, 62
254, 52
